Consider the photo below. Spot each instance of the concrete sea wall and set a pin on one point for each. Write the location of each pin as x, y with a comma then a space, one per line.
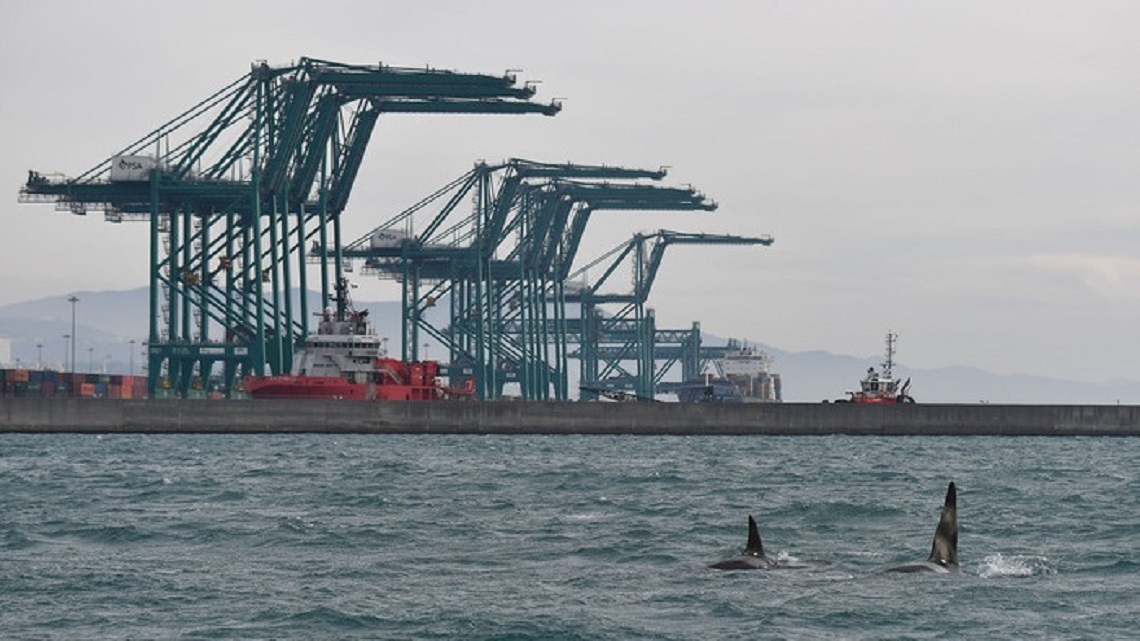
460, 417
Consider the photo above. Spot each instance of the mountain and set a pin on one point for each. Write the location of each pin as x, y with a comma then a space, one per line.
107, 322
817, 375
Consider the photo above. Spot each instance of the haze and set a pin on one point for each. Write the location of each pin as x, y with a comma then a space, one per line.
963, 174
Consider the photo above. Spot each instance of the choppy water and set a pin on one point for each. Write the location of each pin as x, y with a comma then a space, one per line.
316, 536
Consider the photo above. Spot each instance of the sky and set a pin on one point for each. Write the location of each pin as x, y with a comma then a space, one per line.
963, 174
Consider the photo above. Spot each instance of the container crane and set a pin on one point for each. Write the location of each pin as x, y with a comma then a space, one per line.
234, 189
630, 332
499, 266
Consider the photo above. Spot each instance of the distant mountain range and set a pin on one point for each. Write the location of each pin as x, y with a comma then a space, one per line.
107, 322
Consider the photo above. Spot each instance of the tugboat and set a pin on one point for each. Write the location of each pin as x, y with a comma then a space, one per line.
345, 360
881, 387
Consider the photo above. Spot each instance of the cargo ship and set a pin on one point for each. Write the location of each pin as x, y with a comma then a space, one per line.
881, 387
345, 360
743, 375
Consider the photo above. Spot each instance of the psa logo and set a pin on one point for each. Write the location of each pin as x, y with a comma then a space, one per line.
130, 164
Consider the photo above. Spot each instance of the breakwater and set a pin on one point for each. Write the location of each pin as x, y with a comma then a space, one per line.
514, 417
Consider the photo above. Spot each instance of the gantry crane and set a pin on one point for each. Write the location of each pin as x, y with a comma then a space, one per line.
607, 342
236, 187
502, 265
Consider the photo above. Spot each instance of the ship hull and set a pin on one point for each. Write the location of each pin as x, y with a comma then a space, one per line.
708, 391
310, 387
332, 388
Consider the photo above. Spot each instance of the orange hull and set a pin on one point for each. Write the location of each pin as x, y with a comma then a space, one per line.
333, 388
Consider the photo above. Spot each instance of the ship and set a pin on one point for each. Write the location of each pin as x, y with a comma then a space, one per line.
743, 375
345, 360
881, 386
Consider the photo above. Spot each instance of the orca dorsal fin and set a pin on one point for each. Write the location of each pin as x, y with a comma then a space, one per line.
944, 551
755, 547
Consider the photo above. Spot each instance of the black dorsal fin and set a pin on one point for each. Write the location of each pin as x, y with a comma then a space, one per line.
755, 547
944, 551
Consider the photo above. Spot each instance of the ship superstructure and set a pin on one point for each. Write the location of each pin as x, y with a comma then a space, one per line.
345, 359
743, 374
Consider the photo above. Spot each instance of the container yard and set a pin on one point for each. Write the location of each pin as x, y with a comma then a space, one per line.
24, 383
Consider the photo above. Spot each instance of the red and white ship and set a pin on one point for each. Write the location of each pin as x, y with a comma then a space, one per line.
344, 359
882, 386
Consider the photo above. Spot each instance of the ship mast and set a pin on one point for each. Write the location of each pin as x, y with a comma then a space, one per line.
891, 338
341, 298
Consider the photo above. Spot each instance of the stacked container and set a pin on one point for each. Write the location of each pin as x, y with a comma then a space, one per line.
22, 383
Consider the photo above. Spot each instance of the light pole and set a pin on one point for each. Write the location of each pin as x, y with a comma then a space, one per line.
66, 344
91, 360
132, 357
73, 300
39, 355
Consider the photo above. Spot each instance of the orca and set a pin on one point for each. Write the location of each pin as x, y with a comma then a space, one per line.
943, 557
753, 557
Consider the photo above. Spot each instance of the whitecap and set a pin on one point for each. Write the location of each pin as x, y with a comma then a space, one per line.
784, 557
1016, 565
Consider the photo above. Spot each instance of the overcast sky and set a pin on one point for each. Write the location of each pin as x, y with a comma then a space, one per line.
963, 173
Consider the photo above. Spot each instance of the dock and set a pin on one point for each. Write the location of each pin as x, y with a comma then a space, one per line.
192, 416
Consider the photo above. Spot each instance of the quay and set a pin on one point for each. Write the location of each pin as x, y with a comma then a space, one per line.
159, 416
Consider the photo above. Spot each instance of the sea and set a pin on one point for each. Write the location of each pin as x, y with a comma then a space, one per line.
562, 537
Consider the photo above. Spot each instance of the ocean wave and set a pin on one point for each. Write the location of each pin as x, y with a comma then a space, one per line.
1015, 565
